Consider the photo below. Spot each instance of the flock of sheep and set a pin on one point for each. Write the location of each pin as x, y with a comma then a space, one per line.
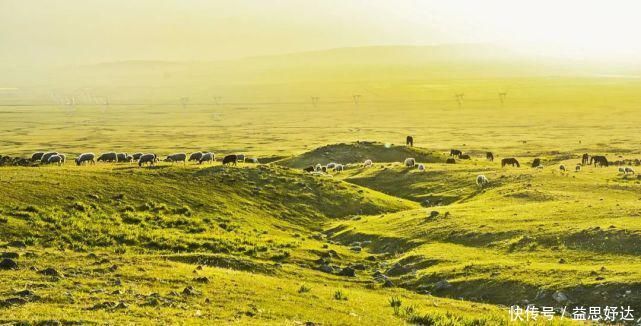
140, 158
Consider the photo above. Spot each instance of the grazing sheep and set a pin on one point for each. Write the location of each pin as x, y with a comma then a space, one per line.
367, 163
37, 156
86, 158
455, 152
310, 169
252, 160
207, 157
129, 159
562, 168
136, 156
230, 159
622, 170
637, 162
577, 168
481, 181
510, 161
536, 162
147, 158
121, 157
629, 170
240, 158
489, 156
331, 165
45, 157
410, 162
450, 161
324, 169
464, 157
108, 157
585, 159
177, 157
195, 156
339, 168
318, 167
56, 159
409, 141
421, 167
599, 160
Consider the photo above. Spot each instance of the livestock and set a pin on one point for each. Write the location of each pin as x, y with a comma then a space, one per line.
207, 157
450, 161
409, 162
510, 161
147, 158
409, 141
86, 157
129, 158
464, 157
195, 156
331, 165
45, 157
562, 167
318, 167
455, 152
310, 168
56, 159
622, 170
367, 163
252, 160
240, 158
121, 157
421, 167
136, 156
177, 157
339, 168
585, 159
489, 156
108, 157
482, 180
536, 162
599, 160
629, 170
577, 168
230, 159
37, 156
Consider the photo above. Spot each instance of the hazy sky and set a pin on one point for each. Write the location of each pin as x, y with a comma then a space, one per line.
87, 31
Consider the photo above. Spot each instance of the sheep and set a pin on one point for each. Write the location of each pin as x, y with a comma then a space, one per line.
421, 167
252, 160
629, 170
455, 152
129, 158
310, 169
410, 162
562, 168
45, 157
37, 156
147, 158
136, 156
450, 161
240, 158
318, 167
207, 157
57, 159
230, 159
195, 156
331, 165
338, 168
481, 181
577, 168
622, 170
489, 156
536, 162
367, 163
177, 157
121, 157
464, 157
108, 157
86, 157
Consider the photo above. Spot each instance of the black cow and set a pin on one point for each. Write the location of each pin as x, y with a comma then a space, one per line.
409, 141
489, 156
230, 159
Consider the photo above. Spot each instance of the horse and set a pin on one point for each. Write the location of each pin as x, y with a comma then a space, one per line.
510, 161
409, 141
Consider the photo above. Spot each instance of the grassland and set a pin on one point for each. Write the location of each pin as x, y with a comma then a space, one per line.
270, 244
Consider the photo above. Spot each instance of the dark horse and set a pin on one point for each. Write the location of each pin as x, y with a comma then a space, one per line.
536, 162
489, 156
510, 161
230, 159
600, 160
585, 159
409, 141
455, 152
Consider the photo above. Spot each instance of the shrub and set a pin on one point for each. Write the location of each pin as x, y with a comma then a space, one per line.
304, 289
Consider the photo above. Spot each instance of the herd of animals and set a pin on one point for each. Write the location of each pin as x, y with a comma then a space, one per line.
140, 158
209, 157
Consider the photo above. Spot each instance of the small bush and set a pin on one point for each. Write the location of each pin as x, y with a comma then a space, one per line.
395, 302
304, 289
339, 295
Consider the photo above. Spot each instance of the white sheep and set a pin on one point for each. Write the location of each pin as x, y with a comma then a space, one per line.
207, 157
421, 167
86, 157
481, 180
410, 162
331, 165
622, 170
57, 159
318, 168
338, 168
367, 163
